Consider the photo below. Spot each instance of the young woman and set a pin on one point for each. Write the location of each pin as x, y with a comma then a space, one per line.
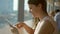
46, 24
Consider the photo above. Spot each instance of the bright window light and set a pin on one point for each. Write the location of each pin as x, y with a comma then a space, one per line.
15, 5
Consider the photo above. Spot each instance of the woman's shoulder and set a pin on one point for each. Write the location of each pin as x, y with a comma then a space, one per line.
45, 26
51, 23
48, 19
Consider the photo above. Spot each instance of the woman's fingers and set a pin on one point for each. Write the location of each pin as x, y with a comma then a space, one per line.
19, 25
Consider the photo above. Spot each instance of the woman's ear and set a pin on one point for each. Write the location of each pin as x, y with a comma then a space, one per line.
40, 6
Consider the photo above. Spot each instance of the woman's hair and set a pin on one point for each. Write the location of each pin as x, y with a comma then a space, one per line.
52, 13
35, 20
37, 2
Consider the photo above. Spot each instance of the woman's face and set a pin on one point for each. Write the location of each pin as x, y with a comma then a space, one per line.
35, 10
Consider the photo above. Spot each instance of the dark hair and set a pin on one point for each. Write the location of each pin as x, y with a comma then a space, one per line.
37, 2
57, 10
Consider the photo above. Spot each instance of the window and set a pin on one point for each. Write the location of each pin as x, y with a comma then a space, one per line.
8, 12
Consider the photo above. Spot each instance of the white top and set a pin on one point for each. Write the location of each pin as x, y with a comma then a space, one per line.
38, 27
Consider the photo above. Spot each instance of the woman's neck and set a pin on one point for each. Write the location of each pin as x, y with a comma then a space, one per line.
42, 15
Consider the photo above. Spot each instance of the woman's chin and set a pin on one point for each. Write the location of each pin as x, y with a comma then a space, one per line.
34, 16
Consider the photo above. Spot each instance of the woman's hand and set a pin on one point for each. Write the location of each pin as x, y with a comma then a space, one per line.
27, 28
19, 25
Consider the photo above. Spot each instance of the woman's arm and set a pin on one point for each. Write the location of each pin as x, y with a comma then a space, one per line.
27, 28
